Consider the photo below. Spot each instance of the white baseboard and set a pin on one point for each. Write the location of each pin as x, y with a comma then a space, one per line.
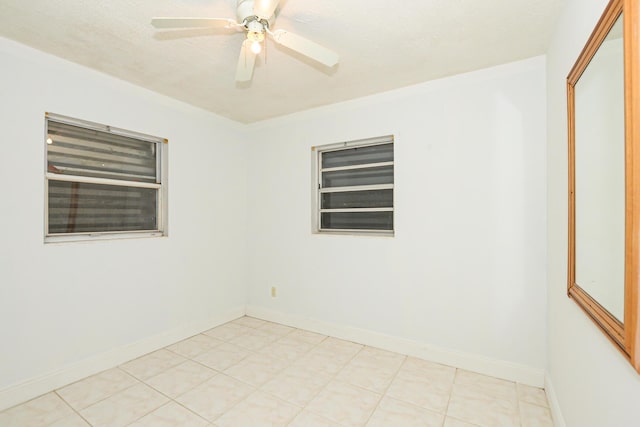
472, 362
34, 387
556, 413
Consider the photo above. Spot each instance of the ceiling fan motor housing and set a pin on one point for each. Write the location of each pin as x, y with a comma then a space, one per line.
245, 14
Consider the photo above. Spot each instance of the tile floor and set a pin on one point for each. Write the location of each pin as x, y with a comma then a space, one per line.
253, 373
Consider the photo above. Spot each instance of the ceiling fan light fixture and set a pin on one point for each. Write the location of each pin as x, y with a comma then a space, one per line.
256, 38
256, 47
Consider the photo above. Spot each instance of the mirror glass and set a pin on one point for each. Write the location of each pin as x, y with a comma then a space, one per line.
600, 175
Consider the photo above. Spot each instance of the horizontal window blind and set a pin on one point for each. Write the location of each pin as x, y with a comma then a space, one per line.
357, 156
357, 199
364, 176
87, 152
356, 186
77, 207
357, 220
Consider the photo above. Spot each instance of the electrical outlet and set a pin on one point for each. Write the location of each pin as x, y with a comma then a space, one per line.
273, 292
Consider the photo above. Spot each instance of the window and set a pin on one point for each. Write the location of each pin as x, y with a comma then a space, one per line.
355, 187
102, 181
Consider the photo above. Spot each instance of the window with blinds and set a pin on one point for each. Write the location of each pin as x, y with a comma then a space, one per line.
101, 180
355, 186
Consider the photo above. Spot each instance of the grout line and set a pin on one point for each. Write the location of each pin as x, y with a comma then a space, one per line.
192, 412
242, 399
384, 393
453, 384
104, 398
171, 399
219, 372
334, 376
71, 407
153, 410
312, 347
462, 421
198, 384
300, 408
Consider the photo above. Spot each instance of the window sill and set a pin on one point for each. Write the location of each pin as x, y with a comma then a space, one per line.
356, 233
89, 237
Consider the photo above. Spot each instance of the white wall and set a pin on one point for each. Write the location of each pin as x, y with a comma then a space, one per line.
62, 304
466, 268
595, 386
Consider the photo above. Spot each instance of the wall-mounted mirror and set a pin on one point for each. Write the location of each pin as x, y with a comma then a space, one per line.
604, 196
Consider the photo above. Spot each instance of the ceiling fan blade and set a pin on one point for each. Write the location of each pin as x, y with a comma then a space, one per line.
306, 47
183, 33
246, 61
265, 8
193, 23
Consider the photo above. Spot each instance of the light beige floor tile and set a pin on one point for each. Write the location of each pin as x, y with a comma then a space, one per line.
478, 385
381, 360
194, 346
297, 385
257, 369
250, 322
70, 421
378, 358
309, 419
372, 369
376, 380
286, 350
435, 372
124, 407
330, 355
338, 348
424, 384
321, 362
253, 340
484, 400
482, 410
534, 395
276, 329
39, 412
259, 410
227, 332
535, 416
344, 404
307, 336
152, 364
215, 396
391, 412
90, 390
223, 356
452, 422
171, 415
181, 378
295, 341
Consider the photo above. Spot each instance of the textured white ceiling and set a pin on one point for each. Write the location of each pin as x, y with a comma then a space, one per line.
383, 45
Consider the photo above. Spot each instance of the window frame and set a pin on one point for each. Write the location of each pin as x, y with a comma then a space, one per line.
160, 186
318, 191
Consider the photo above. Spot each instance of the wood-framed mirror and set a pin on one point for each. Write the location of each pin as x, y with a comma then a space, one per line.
603, 91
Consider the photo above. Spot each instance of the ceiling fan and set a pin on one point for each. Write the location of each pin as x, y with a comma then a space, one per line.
255, 17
